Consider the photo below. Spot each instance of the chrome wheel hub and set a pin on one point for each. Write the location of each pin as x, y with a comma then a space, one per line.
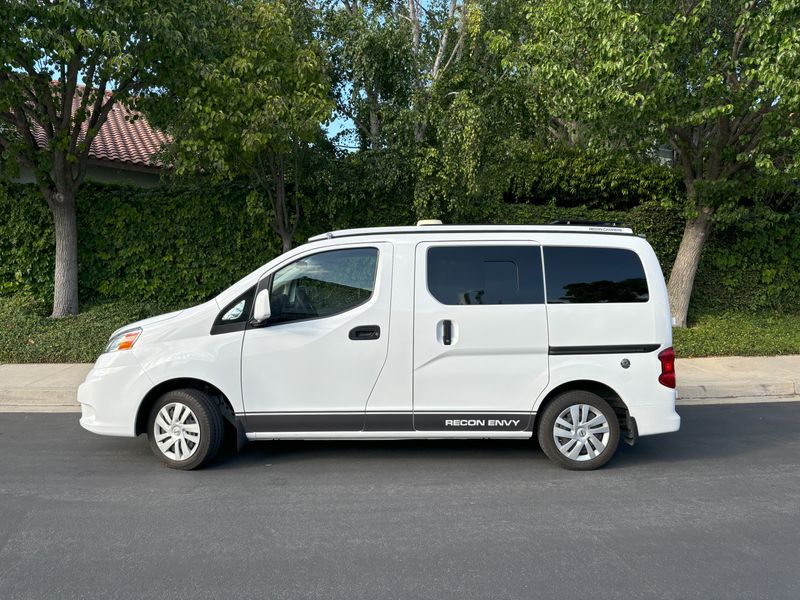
581, 432
176, 431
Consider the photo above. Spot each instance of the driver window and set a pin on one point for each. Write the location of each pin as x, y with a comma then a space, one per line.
323, 284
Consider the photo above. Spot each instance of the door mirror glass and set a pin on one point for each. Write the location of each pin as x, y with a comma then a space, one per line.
261, 310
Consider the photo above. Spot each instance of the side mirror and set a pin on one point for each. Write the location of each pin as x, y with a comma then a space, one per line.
261, 310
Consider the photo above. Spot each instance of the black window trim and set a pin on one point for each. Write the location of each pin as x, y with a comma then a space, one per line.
573, 245
266, 282
219, 326
484, 243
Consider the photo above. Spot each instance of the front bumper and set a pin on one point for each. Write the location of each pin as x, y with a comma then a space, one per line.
110, 395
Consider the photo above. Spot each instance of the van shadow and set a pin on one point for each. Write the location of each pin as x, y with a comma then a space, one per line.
721, 431
707, 433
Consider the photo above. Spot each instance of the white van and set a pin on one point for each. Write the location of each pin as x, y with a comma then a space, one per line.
558, 331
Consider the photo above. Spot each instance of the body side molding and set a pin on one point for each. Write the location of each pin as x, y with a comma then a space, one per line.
618, 349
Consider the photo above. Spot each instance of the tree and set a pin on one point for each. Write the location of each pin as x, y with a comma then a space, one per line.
387, 59
718, 81
252, 106
65, 66
369, 51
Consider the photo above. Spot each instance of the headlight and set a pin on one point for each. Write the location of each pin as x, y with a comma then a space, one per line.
124, 340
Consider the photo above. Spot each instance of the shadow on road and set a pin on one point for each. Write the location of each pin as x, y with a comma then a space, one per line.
707, 432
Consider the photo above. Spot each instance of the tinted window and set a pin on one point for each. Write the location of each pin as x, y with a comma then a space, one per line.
323, 284
486, 274
585, 275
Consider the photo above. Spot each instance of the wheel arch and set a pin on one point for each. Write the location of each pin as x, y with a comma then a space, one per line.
162, 388
626, 424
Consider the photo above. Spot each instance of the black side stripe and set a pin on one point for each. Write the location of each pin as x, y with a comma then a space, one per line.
386, 421
305, 422
623, 349
473, 421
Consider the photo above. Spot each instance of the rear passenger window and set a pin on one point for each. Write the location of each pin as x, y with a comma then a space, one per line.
591, 275
486, 274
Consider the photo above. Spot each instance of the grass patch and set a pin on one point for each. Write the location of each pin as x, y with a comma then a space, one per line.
29, 335
739, 334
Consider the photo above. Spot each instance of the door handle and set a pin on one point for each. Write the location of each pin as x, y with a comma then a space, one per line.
447, 332
365, 332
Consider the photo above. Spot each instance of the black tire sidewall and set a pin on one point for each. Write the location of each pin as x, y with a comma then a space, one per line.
208, 418
548, 419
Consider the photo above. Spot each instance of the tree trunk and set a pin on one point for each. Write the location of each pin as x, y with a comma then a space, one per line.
681, 279
65, 291
374, 129
286, 241
282, 223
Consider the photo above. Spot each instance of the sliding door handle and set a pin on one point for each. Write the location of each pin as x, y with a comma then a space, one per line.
365, 332
447, 332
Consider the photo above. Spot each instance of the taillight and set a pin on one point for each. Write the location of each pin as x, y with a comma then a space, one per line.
667, 358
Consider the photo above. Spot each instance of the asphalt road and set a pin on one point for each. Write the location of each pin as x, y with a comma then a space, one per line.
710, 512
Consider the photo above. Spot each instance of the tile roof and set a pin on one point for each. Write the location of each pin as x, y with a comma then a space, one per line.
126, 138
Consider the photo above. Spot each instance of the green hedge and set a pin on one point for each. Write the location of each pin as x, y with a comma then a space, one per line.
176, 245
173, 245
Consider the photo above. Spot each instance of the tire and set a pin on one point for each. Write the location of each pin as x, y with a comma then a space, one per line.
194, 438
583, 448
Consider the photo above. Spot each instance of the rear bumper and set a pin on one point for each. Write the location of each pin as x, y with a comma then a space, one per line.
652, 419
110, 396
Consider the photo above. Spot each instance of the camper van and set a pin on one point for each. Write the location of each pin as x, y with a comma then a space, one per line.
560, 332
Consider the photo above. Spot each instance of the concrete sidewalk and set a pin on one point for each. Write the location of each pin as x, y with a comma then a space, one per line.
729, 380
41, 388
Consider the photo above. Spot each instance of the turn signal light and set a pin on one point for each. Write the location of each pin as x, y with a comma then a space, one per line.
667, 358
123, 341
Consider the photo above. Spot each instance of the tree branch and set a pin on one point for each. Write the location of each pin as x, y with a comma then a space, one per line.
443, 40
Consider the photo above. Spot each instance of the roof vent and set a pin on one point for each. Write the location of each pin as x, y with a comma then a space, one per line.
424, 222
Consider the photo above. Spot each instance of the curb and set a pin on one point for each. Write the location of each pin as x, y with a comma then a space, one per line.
736, 400
780, 388
42, 400
38, 400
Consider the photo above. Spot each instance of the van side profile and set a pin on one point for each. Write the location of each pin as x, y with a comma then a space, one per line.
562, 332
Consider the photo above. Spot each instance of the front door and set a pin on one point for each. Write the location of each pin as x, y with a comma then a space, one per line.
314, 363
480, 335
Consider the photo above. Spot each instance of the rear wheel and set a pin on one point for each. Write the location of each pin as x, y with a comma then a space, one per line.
579, 431
185, 429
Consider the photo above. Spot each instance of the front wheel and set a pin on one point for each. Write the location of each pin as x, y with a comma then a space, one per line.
185, 429
579, 431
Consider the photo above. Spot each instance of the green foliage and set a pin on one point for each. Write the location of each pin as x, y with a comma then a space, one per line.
563, 176
252, 106
52, 53
181, 244
739, 334
169, 244
28, 335
27, 243
755, 263
719, 79
363, 189
259, 90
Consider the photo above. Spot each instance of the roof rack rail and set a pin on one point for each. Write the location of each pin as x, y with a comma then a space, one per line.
582, 222
557, 227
